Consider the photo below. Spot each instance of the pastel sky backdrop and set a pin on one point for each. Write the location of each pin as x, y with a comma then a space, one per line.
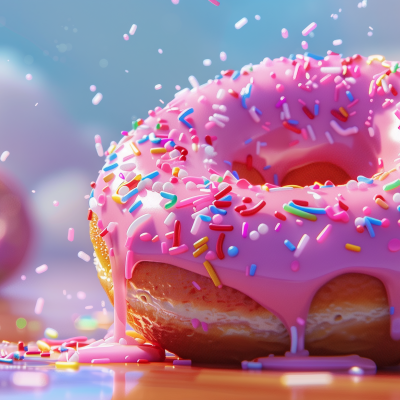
67, 46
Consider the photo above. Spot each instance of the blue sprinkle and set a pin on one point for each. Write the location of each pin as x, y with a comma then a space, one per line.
216, 210
205, 218
316, 109
129, 195
228, 163
246, 95
314, 56
113, 156
254, 365
235, 75
110, 167
311, 210
398, 208
233, 251
235, 174
184, 114
227, 198
326, 186
167, 195
144, 139
218, 76
259, 112
276, 182
349, 95
374, 221
25, 348
292, 57
289, 245
369, 227
391, 310
92, 193
172, 143
293, 121
267, 167
361, 178
151, 175
253, 268
135, 206
248, 141
154, 139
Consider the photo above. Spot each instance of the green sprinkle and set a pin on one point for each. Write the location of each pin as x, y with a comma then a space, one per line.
158, 126
392, 185
395, 67
299, 213
134, 125
171, 203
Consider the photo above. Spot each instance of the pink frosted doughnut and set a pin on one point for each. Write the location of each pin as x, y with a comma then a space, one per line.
290, 153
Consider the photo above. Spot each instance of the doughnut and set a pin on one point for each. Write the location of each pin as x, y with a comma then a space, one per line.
257, 214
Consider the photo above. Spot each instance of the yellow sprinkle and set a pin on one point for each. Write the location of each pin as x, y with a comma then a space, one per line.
343, 112
135, 335
294, 186
43, 346
117, 198
67, 365
379, 80
375, 57
200, 242
175, 171
212, 273
158, 150
371, 87
344, 70
111, 149
353, 247
200, 250
318, 183
108, 177
381, 203
386, 65
266, 188
384, 176
195, 147
135, 149
393, 169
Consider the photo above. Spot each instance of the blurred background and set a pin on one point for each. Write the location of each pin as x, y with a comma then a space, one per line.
55, 56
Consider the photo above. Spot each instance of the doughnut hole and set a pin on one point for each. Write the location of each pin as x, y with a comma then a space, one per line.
350, 315
316, 172
250, 174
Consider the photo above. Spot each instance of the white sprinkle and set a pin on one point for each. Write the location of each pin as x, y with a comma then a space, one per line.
82, 255
190, 185
160, 51
99, 149
207, 62
253, 114
257, 17
331, 70
371, 131
128, 166
157, 187
302, 244
311, 132
170, 219
39, 305
222, 56
254, 235
220, 94
158, 87
241, 23
28, 77
307, 379
217, 121
337, 42
97, 98
41, 269
4, 155
133, 29
286, 110
263, 229
221, 117
309, 29
193, 81
329, 137
92, 88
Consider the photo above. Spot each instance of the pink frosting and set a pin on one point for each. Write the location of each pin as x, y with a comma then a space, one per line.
243, 114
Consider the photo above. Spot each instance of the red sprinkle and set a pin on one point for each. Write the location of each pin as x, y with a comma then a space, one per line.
177, 234
208, 140
215, 227
93, 185
393, 90
228, 72
308, 112
89, 215
222, 204
233, 93
249, 162
329, 183
307, 65
291, 127
280, 216
378, 196
240, 208
360, 229
104, 232
254, 210
302, 203
45, 355
338, 115
32, 353
142, 361
21, 346
247, 200
343, 206
220, 242
223, 192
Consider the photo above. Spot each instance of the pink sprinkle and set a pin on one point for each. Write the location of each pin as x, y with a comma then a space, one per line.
28, 77
81, 295
301, 102
155, 239
222, 56
145, 237
394, 245
278, 227
164, 248
41, 269
295, 265
173, 251
210, 256
327, 78
195, 323
385, 223
285, 33
71, 234
126, 36
177, 87
160, 51
272, 75
92, 88
245, 229
353, 103
309, 29
209, 125
88, 307
366, 210
304, 45
111, 254
23, 277
247, 270
300, 321
55, 203
204, 325
158, 87
100, 361
217, 218
39, 305
280, 88
175, 2
196, 285
128, 242
324, 233
299, 222
128, 157
293, 143
215, 2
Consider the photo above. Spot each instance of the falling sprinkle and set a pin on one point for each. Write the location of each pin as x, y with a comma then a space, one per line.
92, 88
304, 45
97, 99
158, 87
285, 33
207, 62
161, 101
41, 269
23, 277
160, 51
88, 307
241, 23
28, 77
215, 2
257, 17
126, 36
36, 104
39, 305
370, 33
133, 29
175, 2
222, 56
177, 87
309, 29
55, 203
4, 155
83, 256
337, 42
33, 191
